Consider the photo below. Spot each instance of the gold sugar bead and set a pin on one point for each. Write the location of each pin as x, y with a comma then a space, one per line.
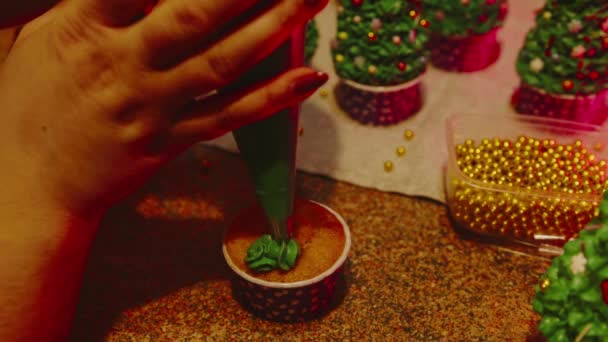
401, 151
598, 146
409, 135
388, 166
530, 164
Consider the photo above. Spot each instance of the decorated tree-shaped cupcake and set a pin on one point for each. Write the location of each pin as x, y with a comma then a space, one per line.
464, 32
572, 296
563, 63
380, 55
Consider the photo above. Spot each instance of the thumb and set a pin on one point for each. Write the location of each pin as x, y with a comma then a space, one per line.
39, 22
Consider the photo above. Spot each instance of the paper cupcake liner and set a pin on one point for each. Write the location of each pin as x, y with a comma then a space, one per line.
379, 106
468, 54
291, 302
590, 109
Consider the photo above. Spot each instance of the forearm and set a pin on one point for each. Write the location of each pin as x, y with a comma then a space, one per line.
42, 257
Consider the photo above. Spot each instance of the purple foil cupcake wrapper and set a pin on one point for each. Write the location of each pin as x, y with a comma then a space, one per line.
379, 106
469, 54
289, 304
590, 109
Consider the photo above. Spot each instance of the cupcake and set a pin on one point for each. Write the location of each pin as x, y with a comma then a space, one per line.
563, 63
572, 296
380, 55
464, 33
305, 291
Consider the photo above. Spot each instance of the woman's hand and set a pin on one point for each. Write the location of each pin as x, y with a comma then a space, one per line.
94, 99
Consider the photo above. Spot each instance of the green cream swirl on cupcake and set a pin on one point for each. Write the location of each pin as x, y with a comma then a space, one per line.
267, 254
572, 296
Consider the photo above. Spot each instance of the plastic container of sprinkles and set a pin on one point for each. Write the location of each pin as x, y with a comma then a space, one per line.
526, 181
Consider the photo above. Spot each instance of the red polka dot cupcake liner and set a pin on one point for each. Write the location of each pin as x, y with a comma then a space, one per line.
379, 106
588, 109
291, 302
467, 54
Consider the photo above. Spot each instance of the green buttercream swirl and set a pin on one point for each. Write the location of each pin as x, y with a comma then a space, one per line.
572, 305
312, 40
267, 254
358, 53
553, 41
453, 18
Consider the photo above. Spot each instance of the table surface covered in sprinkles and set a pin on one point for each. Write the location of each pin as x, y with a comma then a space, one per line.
156, 272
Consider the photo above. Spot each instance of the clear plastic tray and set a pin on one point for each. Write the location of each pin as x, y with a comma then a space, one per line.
540, 220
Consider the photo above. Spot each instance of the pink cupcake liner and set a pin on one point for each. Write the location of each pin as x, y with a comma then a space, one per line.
468, 54
590, 109
379, 106
291, 302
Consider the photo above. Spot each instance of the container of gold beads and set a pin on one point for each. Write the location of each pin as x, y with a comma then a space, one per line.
534, 181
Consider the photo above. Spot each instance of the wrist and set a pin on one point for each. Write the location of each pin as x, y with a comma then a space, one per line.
30, 194
44, 252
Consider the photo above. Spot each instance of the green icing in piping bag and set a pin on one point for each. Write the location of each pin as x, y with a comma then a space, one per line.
268, 148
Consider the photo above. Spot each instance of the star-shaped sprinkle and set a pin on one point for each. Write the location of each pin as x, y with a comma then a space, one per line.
578, 263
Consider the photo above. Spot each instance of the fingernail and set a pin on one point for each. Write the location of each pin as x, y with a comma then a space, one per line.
310, 82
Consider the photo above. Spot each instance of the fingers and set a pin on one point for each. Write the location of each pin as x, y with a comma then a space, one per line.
227, 59
218, 115
177, 27
114, 13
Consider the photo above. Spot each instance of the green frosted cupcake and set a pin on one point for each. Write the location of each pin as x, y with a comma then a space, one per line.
572, 296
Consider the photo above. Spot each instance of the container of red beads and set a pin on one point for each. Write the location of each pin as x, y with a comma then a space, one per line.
530, 180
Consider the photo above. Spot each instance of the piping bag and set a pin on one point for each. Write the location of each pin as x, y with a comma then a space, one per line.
268, 147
